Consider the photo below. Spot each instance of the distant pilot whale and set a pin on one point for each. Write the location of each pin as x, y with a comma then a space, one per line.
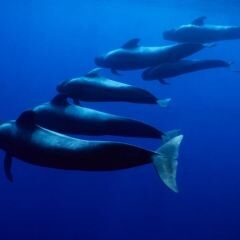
198, 32
27, 141
168, 70
131, 56
95, 88
61, 116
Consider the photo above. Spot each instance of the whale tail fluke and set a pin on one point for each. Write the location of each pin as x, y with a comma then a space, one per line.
164, 102
170, 134
165, 162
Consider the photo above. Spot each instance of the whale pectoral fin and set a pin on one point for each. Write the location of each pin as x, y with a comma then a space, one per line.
133, 43
76, 101
115, 72
162, 81
166, 160
93, 73
200, 21
27, 119
8, 167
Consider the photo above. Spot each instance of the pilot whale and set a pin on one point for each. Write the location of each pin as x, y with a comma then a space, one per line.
132, 56
93, 87
33, 144
169, 70
199, 32
61, 116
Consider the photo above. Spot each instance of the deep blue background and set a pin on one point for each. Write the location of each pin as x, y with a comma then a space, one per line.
45, 42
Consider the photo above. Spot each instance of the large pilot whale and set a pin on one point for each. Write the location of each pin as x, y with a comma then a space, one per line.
93, 87
61, 116
33, 144
132, 56
169, 70
199, 32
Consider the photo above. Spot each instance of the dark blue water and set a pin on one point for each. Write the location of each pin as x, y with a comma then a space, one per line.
45, 42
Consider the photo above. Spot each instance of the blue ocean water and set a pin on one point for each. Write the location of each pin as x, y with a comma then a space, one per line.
45, 42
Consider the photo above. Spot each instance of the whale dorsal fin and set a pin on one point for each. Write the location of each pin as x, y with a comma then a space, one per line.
93, 73
133, 43
8, 166
59, 99
200, 21
26, 119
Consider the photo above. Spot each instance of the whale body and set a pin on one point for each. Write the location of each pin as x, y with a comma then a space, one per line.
94, 88
33, 144
169, 70
61, 116
131, 56
199, 32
